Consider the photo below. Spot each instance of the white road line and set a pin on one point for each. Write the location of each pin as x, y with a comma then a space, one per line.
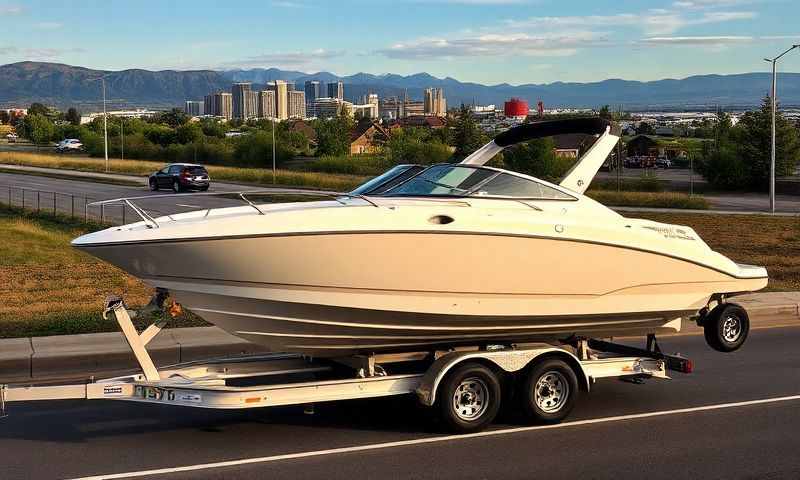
423, 441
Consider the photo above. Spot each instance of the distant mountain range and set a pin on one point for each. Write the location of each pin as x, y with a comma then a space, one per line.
64, 86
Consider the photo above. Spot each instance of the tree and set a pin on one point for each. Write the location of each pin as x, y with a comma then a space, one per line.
739, 156
73, 116
174, 118
38, 128
38, 109
645, 128
605, 112
5, 118
416, 145
755, 139
537, 158
333, 135
189, 133
467, 136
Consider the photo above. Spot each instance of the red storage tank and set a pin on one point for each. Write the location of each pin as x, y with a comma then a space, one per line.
516, 108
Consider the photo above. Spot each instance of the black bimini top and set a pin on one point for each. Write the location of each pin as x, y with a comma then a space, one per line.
534, 130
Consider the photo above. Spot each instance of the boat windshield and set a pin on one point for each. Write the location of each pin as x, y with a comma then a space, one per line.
464, 180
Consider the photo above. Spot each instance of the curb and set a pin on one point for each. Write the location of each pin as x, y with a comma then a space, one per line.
101, 354
104, 354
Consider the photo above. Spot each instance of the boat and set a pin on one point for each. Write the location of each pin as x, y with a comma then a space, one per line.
429, 257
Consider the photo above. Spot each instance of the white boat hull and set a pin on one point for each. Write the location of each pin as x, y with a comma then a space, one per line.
336, 293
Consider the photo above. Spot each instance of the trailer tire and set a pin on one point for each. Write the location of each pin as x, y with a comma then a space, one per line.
468, 398
549, 391
726, 327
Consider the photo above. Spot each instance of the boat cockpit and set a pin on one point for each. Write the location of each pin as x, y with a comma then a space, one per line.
459, 180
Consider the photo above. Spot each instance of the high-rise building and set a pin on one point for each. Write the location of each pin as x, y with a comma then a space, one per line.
219, 104
312, 90
329, 107
266, 104
281, 100
435, 103
336, 90
251, 104
242, 101
194, 108
297, 104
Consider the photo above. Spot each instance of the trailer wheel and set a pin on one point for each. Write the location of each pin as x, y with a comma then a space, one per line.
726, 327
549, 391
468, 398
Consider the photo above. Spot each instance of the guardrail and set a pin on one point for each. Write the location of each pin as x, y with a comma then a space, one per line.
74, 206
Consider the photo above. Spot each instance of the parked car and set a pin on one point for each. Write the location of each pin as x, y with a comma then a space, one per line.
663, 163
69, 145
11, 137
179, 177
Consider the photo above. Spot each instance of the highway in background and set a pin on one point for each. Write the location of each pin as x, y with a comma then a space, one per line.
743, 202
620, 430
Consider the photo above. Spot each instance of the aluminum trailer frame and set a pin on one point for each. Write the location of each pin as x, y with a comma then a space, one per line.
212, 383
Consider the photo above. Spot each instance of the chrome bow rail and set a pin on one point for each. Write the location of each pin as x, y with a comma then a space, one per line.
151, 222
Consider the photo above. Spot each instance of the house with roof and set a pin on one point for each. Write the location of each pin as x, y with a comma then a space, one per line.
367, 137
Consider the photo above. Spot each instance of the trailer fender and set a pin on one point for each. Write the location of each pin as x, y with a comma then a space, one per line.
506, 360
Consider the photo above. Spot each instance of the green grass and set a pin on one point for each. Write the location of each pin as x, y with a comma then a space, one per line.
649, 199
260, 176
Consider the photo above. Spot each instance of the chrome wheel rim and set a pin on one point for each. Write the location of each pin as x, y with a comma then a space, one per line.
551, 391
731, 328
470, 399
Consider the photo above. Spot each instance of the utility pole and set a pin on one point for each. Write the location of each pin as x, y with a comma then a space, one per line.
774, 94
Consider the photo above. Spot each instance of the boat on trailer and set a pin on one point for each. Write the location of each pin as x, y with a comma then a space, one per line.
456, 283
425, 257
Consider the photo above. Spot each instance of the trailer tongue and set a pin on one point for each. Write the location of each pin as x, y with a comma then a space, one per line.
463, 384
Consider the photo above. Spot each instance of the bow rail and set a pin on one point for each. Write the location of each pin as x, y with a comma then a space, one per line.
151, 221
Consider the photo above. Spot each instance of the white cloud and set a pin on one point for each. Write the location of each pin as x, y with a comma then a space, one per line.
698, 4
475, 2
522, 44
716, 40
36, 53
10, 10
288, 59
654, 22
288, 4
48, 25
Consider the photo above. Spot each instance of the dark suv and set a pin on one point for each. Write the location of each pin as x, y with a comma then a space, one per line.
180, 176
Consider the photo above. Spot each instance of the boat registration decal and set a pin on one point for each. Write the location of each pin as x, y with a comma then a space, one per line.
670, 232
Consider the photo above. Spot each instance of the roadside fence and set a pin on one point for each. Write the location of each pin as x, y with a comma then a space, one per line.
74, 206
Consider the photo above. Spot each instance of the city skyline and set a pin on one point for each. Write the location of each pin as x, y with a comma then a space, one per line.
484, 41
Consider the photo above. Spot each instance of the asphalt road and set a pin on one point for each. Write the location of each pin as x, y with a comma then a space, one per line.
612, 433
66, 192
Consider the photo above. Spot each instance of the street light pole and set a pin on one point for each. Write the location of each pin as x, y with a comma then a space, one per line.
774, 95
273, 151
105, 123
122, 134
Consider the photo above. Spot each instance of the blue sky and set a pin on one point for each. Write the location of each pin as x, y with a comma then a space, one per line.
485, 41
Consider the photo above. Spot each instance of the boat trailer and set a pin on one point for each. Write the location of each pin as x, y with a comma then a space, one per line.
462, 383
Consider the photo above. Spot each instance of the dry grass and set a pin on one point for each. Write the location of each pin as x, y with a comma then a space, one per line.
773, 242
326, 181
49, 288
649, 199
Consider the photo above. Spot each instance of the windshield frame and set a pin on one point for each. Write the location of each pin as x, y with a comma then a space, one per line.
470, 193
